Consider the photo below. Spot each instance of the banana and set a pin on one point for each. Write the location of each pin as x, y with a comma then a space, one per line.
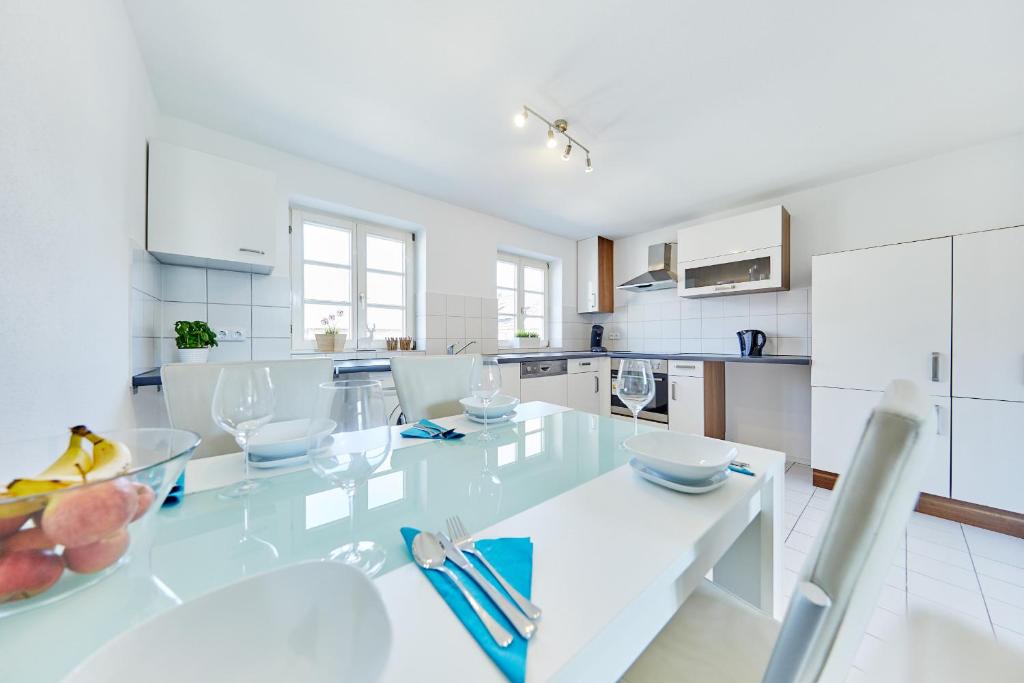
31, 487
109, 458
72, 465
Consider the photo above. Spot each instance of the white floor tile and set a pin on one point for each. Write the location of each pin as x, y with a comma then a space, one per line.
1006, 615
893, 600
1010, 638
857, 676
999, 570
793, 559
788, 522
919, 519
994, 546
867, 654
809, 526
918, 603
936, 551
963, 600
818, 503
789, 579
800, 541
951, 538
1002, 591
798, 497
795, 507
943, 571
896, 577
885, 624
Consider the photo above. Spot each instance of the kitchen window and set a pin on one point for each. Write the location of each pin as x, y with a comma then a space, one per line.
522, 296
361, 269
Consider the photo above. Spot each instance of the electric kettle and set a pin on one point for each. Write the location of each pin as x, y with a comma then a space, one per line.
751, 342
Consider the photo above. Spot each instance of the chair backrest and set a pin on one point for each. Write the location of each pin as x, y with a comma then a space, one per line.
188, 392
431, 386
841, 580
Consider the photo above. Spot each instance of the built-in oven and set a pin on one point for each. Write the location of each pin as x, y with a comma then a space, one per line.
657, 409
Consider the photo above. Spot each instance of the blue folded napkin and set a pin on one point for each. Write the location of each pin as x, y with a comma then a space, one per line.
513, 557
425, 429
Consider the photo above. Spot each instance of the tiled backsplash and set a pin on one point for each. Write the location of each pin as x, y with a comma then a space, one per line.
145, 313
456, 319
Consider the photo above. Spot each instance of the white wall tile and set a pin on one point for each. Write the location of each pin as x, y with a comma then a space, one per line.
435, 327
669, 310
690, 346
670, 329
766, 323
473, 328
793, 301
791, 346
690, 328
652, 329
455, 305
231, 352
636, 313
689, 308
271, 349
712, 308
735, 305
793, 325
488, 307
732, 325
652, 312
435, 346
183, 283
711, 328
271, 290
763, 304
172, 311
473, 306
225, 316
455, 327
268, 321
489, 346
228, 287
435, 303
489, 328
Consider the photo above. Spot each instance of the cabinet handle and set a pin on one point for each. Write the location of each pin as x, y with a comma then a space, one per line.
935, 366
938, 419
673, 391
252, 251
587, 363
593, 299
686, 367
596, 385
723, 288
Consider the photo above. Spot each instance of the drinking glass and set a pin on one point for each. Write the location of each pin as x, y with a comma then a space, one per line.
485, 384
635, 386
349, 438
243, 402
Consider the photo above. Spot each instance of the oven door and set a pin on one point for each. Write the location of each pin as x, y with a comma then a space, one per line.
655, 411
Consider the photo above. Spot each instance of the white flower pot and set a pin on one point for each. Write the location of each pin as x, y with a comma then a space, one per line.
527, 342
193, 355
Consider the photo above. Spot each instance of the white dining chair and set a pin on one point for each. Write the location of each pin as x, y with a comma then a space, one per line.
716, 636
188, 393
431, 386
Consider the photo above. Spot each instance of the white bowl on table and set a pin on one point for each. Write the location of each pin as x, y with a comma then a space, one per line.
287, 439
500, 406
688, 457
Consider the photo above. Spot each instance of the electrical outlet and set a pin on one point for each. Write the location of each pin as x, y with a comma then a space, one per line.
231, 334
614, 336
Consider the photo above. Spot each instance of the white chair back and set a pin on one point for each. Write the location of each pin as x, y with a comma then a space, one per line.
188, 393
431, 386
840, 582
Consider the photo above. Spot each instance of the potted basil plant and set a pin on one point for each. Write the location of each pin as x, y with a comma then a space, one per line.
194, 339
527, 339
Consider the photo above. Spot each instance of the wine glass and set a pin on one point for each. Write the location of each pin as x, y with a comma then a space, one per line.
635, 386
349, 438
243, 402
485, 384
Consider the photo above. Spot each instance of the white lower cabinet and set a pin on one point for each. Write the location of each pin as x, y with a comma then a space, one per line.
838, 419
550, 389
510, 379
584, 392
686, 404
988, 453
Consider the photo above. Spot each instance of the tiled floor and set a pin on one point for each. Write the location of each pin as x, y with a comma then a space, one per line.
973, 575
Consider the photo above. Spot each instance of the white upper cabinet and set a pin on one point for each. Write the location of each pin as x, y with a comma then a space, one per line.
204, 210
882, 314
988, 315
736, 255
595, 291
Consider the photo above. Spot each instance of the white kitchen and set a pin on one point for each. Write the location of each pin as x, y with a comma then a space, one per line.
456, 341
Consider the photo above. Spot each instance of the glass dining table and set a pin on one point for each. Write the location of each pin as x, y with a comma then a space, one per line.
208, 542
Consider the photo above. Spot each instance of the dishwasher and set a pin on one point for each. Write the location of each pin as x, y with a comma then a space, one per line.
543, 380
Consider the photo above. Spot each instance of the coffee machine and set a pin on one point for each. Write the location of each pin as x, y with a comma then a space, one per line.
596, 335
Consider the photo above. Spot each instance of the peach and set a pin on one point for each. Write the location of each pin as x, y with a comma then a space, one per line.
84, 515
27, 539
9, 525
146, 498
28, 572
87, 559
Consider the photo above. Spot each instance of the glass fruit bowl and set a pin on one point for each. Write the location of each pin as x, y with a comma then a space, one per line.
85, 514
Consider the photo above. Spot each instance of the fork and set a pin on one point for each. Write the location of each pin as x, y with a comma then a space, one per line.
465, 542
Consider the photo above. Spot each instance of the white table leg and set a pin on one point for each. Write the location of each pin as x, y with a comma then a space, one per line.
752, 567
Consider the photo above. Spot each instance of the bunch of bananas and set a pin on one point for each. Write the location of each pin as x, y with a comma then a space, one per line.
108, 459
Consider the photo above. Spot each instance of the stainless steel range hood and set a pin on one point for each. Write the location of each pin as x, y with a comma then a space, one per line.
661, 270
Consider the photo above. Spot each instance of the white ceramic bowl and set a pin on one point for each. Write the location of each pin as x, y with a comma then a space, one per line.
681, 456
501, 405
313, 621
287, 439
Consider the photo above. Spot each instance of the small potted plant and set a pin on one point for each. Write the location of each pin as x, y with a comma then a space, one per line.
527, 339
194, 339
331, 339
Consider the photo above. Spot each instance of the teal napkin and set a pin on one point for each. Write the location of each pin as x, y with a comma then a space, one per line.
428, 431
513, 557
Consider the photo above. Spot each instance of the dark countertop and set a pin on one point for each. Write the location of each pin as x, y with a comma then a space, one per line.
343, 367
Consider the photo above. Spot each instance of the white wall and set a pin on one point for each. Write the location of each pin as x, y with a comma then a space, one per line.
975, 188
75, 110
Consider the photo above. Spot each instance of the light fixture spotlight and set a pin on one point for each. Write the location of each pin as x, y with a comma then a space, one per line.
560, 126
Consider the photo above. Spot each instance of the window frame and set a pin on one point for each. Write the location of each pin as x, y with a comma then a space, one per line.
359, 231
522, 262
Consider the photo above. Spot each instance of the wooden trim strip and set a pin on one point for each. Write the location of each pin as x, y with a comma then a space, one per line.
605, 275
993, 519
714, 399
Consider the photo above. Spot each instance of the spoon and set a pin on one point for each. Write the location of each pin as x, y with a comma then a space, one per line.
429, 554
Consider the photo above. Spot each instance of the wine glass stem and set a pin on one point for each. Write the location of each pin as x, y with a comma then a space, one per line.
244, 438
487, 419
636, 422
352, 555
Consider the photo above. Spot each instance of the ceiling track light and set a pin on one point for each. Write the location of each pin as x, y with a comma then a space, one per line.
559, 126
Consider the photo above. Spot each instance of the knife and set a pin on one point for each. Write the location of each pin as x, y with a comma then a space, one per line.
523, 626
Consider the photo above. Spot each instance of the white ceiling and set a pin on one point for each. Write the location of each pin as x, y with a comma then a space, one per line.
688, 107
